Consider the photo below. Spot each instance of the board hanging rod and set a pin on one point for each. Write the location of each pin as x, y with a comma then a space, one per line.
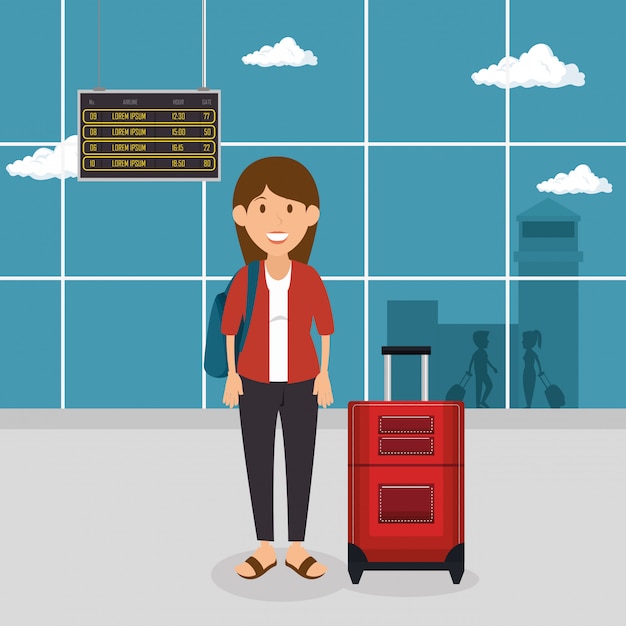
99, 87
203, 87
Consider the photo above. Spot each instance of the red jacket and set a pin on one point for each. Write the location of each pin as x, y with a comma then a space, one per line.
307, 300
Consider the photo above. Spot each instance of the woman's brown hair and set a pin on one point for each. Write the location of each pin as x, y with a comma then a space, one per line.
287, 178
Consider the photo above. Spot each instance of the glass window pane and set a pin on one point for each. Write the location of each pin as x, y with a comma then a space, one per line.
592, 41
346, 344
567, 211
126, 229
338, 173
421, 59
602, 344
463, 322
545, 336
436, 211
30, 47
30, 336
30, 222
322, 102
133, 344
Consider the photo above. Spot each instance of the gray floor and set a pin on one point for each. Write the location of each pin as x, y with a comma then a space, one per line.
115, 527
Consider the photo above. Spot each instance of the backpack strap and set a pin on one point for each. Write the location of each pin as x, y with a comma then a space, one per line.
253, 279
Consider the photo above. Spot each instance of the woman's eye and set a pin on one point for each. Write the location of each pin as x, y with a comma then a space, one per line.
262, 208
289, 208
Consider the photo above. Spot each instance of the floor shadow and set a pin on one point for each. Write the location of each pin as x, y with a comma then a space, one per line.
411, 583
282, 584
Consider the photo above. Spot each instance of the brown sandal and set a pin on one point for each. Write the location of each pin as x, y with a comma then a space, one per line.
304, 567
259, 570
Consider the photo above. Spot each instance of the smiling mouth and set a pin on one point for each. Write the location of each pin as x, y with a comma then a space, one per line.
277, 237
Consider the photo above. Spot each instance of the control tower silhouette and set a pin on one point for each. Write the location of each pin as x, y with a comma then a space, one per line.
548, 246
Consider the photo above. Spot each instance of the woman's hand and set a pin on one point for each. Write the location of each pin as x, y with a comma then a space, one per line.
232, 389
323, 390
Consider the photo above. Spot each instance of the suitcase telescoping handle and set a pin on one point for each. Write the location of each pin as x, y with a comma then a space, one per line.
389, 351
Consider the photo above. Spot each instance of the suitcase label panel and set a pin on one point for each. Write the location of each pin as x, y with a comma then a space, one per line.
406, 504
406, 446
406, 424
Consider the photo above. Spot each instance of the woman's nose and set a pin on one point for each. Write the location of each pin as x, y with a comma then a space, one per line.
277, 214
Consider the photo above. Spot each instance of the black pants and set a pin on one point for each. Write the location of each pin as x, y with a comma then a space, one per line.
258, 409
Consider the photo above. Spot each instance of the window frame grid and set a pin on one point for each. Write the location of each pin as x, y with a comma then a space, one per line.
507, 279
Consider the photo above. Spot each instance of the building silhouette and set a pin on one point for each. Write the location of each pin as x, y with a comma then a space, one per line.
548, 246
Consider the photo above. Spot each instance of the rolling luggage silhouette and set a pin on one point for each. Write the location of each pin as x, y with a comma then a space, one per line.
554, 394
457, 392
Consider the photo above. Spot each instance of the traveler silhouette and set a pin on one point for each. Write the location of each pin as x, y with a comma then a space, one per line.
530, 339
480, 360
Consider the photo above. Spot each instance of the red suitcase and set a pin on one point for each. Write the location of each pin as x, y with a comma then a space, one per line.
406, 481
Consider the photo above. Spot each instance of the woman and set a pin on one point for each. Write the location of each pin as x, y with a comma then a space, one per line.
480, 360
530, 339
276, 210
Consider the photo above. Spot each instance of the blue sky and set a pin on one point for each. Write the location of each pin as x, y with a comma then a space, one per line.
589, 35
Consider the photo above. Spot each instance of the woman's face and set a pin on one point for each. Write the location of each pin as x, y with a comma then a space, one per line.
275, 224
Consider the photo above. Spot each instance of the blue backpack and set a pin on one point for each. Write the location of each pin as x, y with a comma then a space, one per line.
215, 361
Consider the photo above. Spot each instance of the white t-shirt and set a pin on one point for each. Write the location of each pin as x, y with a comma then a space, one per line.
279, 305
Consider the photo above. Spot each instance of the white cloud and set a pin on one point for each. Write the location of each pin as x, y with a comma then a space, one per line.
579, 180
62, 162
538, 67
285, 52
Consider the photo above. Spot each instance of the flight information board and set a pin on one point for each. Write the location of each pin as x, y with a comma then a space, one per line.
149, 135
